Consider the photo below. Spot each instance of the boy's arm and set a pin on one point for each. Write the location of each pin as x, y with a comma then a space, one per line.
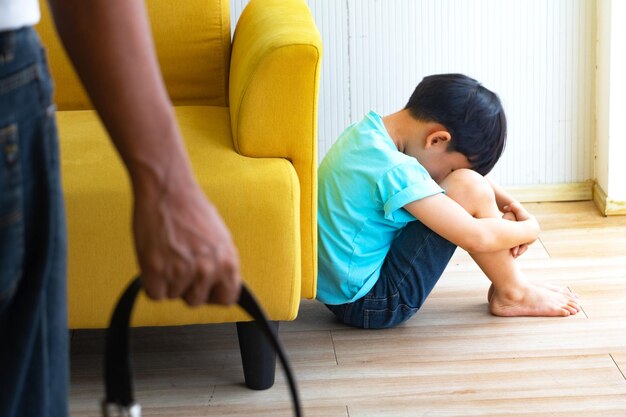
450, 220
504, 202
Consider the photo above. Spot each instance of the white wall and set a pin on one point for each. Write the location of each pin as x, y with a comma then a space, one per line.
601, 167
611, 100
538, 55
617, 104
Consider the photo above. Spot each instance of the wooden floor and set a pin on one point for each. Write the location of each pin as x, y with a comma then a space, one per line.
451, 359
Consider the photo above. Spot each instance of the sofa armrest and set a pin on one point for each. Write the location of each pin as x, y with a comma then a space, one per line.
273, 92
274, 77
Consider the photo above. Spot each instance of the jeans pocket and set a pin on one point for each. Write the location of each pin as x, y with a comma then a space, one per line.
11, 213
386, 318
51, 138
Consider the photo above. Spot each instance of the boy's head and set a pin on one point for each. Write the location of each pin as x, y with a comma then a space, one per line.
472, 114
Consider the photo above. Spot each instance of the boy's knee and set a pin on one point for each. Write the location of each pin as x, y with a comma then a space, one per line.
465, 179
467, 186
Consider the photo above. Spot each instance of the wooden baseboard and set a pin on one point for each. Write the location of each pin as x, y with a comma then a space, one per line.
607, 206
599, 198
579, 191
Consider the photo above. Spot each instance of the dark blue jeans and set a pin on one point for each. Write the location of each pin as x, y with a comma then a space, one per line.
415, 262
33, 320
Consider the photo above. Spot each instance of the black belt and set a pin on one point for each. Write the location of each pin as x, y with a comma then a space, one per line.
117, 363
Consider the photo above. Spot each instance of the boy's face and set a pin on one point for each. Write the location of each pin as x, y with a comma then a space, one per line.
431, 151
440, 164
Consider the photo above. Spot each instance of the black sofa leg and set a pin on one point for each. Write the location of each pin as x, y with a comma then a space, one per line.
257, 355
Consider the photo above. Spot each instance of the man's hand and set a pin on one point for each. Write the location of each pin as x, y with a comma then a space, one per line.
514, 211
184, 249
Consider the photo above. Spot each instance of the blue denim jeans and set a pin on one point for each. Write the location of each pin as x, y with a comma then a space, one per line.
413, 266
34, 373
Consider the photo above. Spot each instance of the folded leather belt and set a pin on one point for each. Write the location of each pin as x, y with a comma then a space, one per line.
118, 377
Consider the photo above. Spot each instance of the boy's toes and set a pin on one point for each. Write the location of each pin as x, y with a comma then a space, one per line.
574, 305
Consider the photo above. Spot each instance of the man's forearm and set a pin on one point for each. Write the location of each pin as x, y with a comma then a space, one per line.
183, 247
109, 43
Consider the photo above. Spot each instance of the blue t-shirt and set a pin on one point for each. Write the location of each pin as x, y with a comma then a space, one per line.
364, 183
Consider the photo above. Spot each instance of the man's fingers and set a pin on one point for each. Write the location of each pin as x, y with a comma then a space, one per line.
185, 250
216, 280
224, 294
154, 287
178, 276
206, 276
196, 295
226, 291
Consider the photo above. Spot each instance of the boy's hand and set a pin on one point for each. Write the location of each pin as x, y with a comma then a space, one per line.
514, 211
517, 250
518, 210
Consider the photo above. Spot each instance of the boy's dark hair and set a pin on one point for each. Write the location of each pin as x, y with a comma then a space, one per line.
471, 113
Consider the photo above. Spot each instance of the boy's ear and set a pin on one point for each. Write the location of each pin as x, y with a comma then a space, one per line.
438, 138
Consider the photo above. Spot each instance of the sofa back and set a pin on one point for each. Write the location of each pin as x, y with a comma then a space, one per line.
192, 39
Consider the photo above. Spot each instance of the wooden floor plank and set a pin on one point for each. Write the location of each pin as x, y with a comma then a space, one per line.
619, 357
452, 359
551, 380
585, 242
186, 366
313, 315
421, 340
577, 229
593, 293
580, 214
597, 406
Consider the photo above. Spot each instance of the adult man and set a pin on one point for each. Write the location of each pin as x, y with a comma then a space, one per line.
182, 245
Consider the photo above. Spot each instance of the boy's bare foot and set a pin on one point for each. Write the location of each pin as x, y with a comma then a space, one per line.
563, 290
533, 300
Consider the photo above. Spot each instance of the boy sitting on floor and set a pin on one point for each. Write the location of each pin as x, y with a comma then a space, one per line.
398, 194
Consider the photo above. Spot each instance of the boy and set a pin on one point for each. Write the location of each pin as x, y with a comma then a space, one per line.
397, 194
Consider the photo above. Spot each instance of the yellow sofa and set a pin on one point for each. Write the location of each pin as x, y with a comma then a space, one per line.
248, 113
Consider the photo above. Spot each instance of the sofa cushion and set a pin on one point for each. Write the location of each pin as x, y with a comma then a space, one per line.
192, 40
257, 197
